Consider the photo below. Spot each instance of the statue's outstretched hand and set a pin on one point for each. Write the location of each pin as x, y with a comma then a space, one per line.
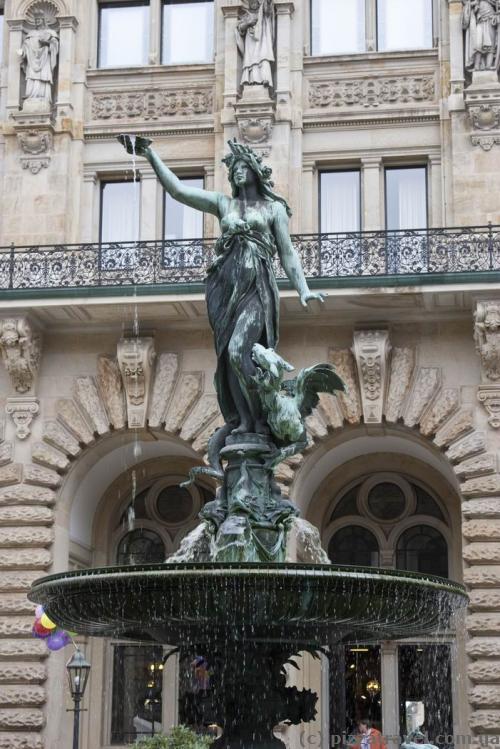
309, 295
135, 144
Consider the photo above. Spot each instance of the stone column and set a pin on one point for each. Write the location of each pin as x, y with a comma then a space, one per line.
67, 37
435, 192
371, 25
149, 225
284, 10
455, 8
155, 31
390, 680
310, 208
15, 42
89, 214
372, 196
230, 12
209, 222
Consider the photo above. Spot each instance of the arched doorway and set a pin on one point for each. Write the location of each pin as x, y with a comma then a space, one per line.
384, 497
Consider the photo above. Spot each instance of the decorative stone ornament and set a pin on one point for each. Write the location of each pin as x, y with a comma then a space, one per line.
487, 337
371, 350
37, 145
21, 351
135, 360
489, 396
22, 410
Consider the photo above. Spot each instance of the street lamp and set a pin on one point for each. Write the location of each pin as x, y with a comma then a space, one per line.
78, 673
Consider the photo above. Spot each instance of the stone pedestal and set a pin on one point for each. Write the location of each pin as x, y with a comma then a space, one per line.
482, 101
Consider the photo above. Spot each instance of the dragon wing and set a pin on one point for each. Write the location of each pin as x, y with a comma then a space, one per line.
321, 378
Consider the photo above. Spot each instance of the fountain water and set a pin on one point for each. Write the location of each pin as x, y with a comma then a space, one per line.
233, 592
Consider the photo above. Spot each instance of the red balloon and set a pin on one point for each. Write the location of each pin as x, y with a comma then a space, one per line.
40, 631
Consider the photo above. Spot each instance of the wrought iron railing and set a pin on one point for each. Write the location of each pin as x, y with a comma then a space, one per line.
423, 254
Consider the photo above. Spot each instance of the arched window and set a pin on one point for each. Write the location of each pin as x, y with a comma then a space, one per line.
354, 545
422, 548
140, 546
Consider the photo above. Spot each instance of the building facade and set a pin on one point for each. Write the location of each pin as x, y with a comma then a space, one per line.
381, 122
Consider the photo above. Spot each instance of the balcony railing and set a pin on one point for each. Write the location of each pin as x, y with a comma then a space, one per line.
395, 257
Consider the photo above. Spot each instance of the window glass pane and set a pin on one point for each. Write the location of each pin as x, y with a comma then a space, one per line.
141, 546
425, 702
386, 501
340, 202
402, 28
137, 692
354, 545
406, 198
188, 32
338, 27
120, 212
423, 549
181, 221
123, 35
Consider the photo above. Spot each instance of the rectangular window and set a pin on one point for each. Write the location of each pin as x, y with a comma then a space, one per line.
406, 198
400, 27
181, 221
188, 31
337, 27
120, 210
340, 202
123, 34
136, 704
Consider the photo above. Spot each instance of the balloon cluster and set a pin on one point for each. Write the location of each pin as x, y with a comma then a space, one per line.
45, 629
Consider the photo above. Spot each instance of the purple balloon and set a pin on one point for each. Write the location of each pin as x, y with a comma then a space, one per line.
56, 641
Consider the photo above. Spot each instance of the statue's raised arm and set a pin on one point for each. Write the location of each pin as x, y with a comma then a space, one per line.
195, 197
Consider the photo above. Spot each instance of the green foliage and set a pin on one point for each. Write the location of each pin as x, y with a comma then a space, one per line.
179, 738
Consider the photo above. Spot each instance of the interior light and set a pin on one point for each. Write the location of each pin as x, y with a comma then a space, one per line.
360, 650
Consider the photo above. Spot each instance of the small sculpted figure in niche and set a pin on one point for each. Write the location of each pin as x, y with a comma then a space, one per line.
480, 21
38, 60
255, 39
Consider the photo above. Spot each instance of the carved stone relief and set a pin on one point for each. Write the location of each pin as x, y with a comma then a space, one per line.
371, 350
37, 146
135, 361
22, 410
21, 350
371, 93
151, 105
487, 339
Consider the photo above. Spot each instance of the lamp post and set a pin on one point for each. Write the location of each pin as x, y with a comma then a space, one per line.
78, 670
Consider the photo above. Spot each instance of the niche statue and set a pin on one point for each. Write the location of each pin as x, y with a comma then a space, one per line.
38, 60
264, 416
255, 40
480, 21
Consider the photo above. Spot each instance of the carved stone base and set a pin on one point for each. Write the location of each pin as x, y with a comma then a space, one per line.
482, 101
254, 114
489, 396
249, 514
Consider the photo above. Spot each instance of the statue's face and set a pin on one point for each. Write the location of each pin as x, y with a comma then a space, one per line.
254, 4
38, 22
243, 176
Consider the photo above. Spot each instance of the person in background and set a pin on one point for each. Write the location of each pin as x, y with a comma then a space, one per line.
371, 738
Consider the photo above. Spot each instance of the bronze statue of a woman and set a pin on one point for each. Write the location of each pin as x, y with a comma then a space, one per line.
242, 294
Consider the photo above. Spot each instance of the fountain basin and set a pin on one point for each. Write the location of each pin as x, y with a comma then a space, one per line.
197, 603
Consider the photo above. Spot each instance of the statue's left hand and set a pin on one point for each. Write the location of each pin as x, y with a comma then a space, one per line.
309, 295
